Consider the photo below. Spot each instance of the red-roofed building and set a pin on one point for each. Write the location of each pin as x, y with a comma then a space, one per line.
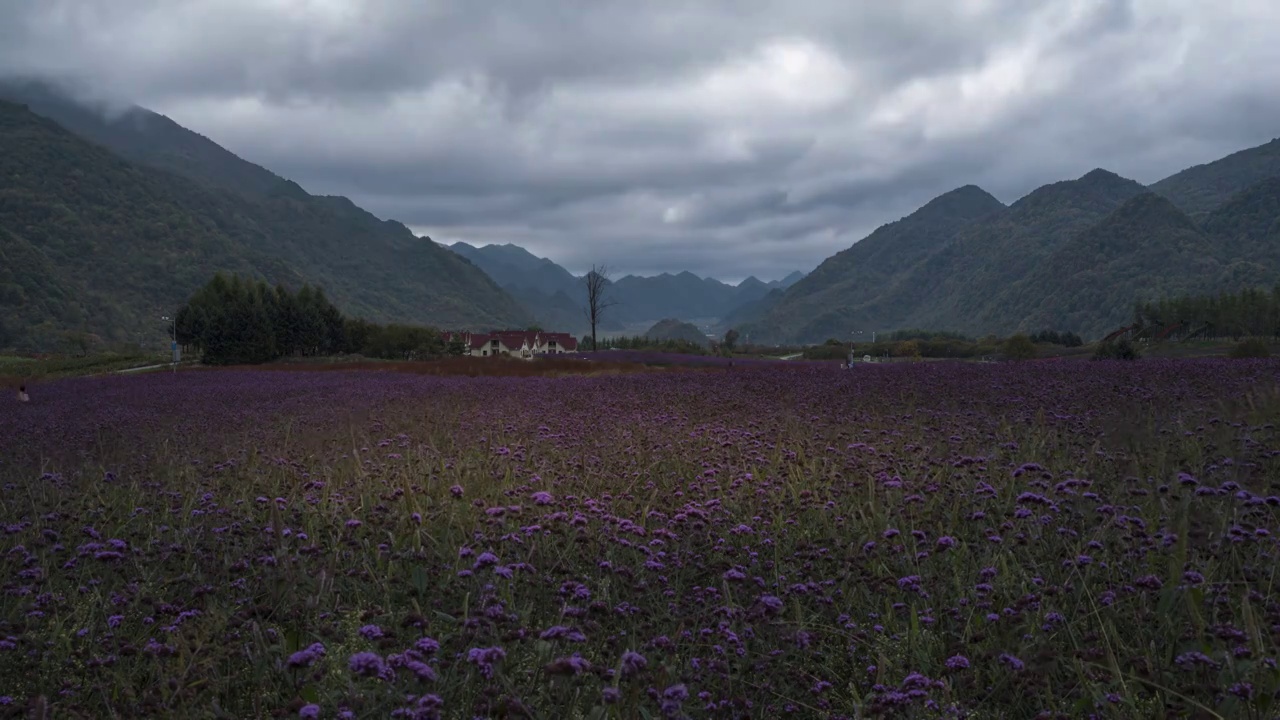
515, 343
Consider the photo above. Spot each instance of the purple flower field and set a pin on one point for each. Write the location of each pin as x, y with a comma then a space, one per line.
926, 540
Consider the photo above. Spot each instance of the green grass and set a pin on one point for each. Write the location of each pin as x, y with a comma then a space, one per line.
52, 368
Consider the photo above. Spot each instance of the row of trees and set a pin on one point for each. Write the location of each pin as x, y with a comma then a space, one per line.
650, 344
1053, 337
232, 320
1249, 313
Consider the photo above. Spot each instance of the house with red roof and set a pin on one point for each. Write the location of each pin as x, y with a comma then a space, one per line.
525, 344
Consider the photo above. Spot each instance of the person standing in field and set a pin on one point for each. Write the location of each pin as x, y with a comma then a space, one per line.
22, 394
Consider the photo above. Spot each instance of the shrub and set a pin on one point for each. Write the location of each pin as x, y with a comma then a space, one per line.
1019, 347
1117, 350
1251, 348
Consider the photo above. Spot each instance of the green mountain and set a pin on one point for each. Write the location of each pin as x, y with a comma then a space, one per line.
1073, 255
113, 245
747, 314
511, 265
955, 287
1147, 248
827, 300
1198, 190
164, 230
672, 329
1247, 230
146, 138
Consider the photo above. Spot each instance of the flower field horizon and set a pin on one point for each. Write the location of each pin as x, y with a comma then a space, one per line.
1074, 539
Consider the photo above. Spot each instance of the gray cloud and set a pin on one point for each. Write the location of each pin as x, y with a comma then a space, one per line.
728, 137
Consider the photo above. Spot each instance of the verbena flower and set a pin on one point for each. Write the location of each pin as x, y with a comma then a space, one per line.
367, 664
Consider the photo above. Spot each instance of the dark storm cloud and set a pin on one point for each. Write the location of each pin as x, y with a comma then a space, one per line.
727, 137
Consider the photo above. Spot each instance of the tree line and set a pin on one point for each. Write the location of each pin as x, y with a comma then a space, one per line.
233, 320
1248, 313
641, 342
942, 345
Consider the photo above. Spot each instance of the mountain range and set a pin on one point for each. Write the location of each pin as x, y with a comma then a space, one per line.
1074, 255
556, 297
110, 218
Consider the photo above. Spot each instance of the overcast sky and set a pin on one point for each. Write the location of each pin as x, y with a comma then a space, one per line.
728, 137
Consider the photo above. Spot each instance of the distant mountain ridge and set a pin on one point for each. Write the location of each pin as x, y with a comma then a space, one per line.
1072, 255
264, 225
543, 287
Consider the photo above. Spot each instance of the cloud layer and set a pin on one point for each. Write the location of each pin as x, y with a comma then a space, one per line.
726, 137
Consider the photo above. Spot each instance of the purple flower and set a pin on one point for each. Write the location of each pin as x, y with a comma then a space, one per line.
945, 542
310, 711
572, 665
1191, 659
1012, 662
957, 662
456, 491
558, 632
424, 671
542, 497
368, 664
1150, 582
306, 657
353, 523
486, 658
1242, 690
370, 632
632, 663
426, 646
610, 695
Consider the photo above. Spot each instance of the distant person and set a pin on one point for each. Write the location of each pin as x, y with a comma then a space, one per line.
22, 394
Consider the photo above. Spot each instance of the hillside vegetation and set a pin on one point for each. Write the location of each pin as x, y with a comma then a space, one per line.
95, 243
1198, 190
1075, 254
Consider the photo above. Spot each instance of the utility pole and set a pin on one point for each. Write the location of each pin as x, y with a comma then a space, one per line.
173, 343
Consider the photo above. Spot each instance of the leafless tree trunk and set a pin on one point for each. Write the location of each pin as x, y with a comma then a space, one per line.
597, 280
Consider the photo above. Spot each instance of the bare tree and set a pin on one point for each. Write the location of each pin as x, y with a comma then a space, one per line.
597, 280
